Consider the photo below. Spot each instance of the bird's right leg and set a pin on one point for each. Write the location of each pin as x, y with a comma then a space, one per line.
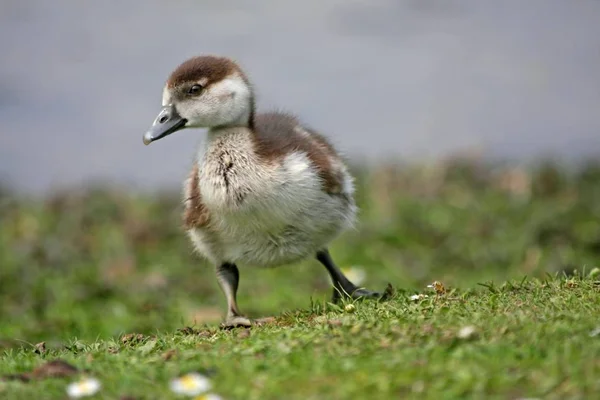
228, 277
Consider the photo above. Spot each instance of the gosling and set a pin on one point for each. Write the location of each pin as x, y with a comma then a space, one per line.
264, 189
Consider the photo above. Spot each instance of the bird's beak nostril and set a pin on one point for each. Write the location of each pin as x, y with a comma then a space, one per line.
167, 122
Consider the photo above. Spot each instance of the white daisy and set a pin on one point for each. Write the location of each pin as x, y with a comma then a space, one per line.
191, 384
417, 297
84, 387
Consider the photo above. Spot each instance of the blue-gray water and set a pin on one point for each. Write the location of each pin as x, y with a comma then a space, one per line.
80, 81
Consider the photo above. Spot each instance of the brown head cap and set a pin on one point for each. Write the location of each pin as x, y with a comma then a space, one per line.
209, 69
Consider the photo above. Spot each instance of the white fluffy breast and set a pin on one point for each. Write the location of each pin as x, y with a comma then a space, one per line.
266, 214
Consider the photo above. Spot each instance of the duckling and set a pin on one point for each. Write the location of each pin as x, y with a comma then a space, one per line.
264, 189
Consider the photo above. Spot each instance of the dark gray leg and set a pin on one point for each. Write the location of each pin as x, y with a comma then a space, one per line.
342, 285
228, 277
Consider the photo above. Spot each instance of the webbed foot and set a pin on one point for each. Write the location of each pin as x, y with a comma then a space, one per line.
359, 293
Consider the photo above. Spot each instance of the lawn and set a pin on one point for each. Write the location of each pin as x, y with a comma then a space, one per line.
107, 280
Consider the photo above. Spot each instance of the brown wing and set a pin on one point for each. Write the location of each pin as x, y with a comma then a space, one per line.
279, 134
195, 214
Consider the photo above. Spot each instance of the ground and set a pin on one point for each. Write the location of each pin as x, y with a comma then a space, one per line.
107, 281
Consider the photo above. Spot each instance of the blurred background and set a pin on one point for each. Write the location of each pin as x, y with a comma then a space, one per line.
80, 82
449, 111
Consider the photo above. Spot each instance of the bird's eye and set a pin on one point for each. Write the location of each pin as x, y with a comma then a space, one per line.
195, 89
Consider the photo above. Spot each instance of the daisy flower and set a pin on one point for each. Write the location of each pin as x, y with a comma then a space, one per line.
191, 384
84, 387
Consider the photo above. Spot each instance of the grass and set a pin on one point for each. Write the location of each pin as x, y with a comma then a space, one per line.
515, 248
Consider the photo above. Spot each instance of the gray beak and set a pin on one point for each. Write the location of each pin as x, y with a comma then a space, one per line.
167, 122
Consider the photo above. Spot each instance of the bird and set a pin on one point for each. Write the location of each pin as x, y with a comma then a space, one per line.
264, 190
